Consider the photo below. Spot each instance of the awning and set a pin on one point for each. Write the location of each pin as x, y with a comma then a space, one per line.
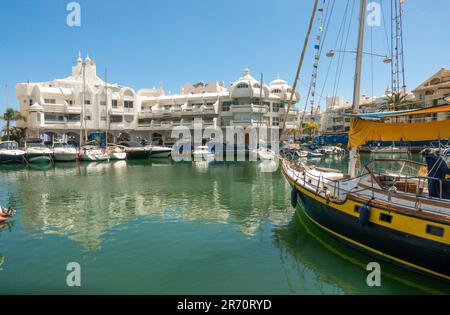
429, 110
362, 131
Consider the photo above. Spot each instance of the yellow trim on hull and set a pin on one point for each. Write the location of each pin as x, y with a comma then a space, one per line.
402, 223
372, 250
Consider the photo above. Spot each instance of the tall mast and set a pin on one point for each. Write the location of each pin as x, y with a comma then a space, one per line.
84, 101
82, 106
357, 84
106, 104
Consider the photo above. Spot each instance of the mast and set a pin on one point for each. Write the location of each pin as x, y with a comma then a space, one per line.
357, 84
106, 104
82, 107
260, 106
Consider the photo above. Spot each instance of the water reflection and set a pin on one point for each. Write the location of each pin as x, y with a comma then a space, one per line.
337, 268
85, 200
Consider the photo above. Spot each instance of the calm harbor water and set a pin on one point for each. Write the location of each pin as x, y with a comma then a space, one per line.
158, 227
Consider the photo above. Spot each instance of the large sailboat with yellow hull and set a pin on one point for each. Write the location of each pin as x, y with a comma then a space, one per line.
396, 210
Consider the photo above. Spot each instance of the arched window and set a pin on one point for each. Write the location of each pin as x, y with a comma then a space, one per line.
256, 86
276, 91
242, 86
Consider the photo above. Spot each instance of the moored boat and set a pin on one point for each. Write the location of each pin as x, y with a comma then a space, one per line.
115, 152
64, 152
202, 153
10, 153
135, 150
37, 152
91, 153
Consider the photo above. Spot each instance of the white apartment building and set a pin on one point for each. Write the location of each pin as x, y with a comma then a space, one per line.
55, 108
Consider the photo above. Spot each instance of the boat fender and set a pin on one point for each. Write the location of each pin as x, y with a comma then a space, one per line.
364, 215
294, 197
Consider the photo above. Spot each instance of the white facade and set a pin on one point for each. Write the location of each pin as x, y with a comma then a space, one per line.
55, 108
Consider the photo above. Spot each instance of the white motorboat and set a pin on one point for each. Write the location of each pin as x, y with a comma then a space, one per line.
202, 152
116, 153
160, 152
389, 150
10, 153
135, 150
265, 154
64, 152
37, 152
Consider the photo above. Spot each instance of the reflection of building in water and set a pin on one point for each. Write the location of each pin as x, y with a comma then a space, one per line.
97, 197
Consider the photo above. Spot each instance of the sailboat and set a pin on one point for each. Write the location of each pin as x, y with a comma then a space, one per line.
395, 210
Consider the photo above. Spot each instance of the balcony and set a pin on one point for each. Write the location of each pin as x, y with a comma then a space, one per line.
73, 109
249, 108
54, 108
116, 111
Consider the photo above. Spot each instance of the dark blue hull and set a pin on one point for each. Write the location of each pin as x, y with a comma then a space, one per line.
11, 159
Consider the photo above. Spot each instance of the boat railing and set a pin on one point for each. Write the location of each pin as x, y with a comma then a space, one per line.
340, 192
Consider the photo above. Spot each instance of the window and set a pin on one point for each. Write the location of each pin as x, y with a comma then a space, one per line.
73, 117
31, 102
49, 101
226, 106
114, 103
242, 86
385, 217
144, 121
356, 209
275, 121
257, 86
87, 117
435, 230
277, 106
128, 104
103, 103
276, 91
87, 102
116, 119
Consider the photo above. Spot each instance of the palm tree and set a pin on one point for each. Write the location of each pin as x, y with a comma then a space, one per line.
397, 101
9, 116
311, 127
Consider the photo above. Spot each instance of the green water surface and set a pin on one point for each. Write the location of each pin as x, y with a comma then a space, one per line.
158, 227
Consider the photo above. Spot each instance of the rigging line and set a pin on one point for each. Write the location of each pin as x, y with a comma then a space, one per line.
371, 58
300, 65
402, 48
385, 29
343, 55
332, 59
341, 31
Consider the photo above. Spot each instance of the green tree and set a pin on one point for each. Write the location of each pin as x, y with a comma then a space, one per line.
311, 127
9, 116
397, 101
18, 134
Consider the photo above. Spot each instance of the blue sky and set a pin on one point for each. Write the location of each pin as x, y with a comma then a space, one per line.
143, 42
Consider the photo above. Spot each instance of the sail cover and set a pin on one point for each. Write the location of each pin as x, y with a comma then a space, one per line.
362, 131
428, 110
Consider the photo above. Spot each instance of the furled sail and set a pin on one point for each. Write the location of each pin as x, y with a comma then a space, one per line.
362, 131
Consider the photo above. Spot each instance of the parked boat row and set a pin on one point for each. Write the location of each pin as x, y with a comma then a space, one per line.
35, 151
